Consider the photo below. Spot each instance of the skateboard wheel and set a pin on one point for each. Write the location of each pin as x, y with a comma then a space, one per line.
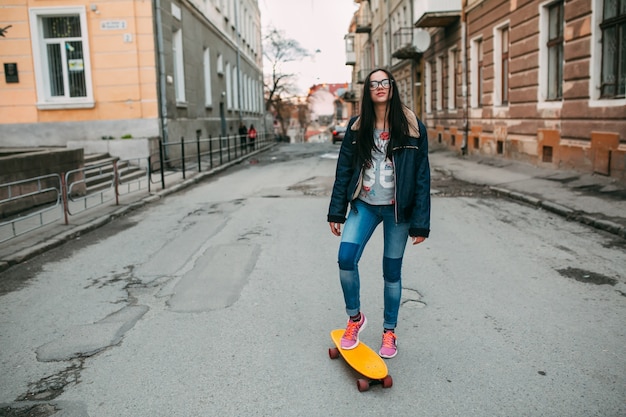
362, 385
333, 353
387, 381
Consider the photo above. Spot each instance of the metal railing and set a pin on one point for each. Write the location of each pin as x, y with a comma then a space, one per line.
203, 153
43, 192
32, 203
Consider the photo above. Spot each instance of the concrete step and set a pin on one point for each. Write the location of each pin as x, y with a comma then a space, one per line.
99, 177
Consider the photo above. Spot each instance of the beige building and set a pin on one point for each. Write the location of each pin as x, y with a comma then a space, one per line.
111, 69
539, 81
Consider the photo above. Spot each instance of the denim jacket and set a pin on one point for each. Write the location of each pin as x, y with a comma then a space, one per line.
412, 178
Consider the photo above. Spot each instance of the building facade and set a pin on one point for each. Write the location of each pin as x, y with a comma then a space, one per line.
81, 70
382, 35
539, 81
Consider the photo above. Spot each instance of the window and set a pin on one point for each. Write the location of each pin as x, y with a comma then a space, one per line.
505, 66
220, 64
439, 75
179, 68
229, 105
349, 43
428, 87
555, 51
501, 66
551, 61
208, 94
376, 53
61, 57
386, 58
613, 27
235, 85
477, 73
453, 55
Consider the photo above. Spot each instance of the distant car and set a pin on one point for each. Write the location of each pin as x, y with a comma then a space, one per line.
338, 133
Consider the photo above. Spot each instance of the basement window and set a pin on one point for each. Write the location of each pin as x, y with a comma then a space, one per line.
547, 154
500, 147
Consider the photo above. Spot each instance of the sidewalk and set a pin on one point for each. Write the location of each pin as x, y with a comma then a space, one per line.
594, 200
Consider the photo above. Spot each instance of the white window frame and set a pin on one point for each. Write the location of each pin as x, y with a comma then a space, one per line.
376, 53
44, 100
179, 66
235, 84
220, 64
474, 74
595, 63
229, 97
497, 63
542, 90
439, 80
452, 69
208, 91
428, 87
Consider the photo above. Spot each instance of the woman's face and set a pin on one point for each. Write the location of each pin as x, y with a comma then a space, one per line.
380, 87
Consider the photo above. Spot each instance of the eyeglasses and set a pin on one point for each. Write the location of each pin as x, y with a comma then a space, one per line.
386, 83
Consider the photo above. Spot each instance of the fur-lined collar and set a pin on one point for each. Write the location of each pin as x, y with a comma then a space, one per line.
414, 129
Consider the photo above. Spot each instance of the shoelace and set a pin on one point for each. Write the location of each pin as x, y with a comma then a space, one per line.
351, 330
389, 340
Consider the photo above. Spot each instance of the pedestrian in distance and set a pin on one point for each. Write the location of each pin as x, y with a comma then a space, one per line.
251, 136
383, 176
243, 136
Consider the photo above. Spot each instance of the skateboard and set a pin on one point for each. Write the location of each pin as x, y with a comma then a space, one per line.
363, 360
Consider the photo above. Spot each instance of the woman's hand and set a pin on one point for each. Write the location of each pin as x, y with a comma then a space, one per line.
335, 228
417, 239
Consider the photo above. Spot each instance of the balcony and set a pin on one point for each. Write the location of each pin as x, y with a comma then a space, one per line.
361, 75
350, 96
364, 20
404, 46
437, 13
351, 58
350, 53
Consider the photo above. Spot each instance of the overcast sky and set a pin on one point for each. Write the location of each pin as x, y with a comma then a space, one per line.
316, 25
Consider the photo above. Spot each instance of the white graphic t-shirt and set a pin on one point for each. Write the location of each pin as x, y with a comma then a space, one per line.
378, 175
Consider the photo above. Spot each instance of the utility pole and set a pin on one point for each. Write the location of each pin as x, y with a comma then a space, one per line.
238, 37
464, 147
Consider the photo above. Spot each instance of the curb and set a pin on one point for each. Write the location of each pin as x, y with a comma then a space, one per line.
566, 212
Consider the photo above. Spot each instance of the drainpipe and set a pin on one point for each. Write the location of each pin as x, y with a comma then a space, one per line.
390, 43
161, 94
464, 147
237, 36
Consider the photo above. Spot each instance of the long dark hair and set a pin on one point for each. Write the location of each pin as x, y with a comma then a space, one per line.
395, 119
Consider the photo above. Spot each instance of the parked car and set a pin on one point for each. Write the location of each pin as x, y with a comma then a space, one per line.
338, 133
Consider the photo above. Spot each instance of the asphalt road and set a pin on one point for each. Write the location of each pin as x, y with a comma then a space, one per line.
219, 300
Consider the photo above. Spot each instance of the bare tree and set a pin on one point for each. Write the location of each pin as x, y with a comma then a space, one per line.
279, 85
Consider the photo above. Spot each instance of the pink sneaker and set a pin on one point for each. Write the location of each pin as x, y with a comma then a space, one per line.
389, 347
350, 338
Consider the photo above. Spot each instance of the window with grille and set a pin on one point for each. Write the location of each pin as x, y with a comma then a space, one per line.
428, 87
555, 51
501, 65
613, 27
61, 57
505, 65
476, 92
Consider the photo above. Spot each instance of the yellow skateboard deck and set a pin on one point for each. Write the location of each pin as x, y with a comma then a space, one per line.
363, 360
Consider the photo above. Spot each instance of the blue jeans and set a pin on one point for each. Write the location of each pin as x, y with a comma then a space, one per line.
359, 227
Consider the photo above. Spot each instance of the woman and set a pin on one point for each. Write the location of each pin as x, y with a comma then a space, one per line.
243, 135
383, 173
251, 136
